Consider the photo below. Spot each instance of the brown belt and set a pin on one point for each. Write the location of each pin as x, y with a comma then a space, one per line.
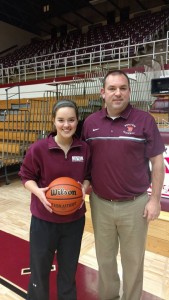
125, 199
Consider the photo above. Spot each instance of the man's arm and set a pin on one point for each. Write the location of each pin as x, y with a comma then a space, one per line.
153, 207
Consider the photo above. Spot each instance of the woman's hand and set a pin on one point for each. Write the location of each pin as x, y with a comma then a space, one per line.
42, 197
32, 186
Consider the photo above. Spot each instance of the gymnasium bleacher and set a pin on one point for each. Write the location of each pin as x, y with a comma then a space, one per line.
101, 44
135, 29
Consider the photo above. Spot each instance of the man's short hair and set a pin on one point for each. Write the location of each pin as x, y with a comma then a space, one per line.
115, 72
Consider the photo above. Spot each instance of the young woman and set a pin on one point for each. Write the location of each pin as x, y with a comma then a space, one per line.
60, 154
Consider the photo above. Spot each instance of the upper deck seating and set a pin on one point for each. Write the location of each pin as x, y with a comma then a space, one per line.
139, 29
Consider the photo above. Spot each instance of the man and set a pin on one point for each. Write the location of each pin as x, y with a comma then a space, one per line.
123, 142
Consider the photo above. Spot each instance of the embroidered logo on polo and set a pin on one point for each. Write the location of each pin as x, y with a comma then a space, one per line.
129, 129
77, 159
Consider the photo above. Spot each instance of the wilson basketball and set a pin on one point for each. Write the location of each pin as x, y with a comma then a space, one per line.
65, 195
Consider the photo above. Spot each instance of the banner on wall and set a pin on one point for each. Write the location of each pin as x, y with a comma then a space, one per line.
165, 189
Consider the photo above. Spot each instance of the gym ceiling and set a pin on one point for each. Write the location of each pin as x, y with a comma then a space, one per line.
42, 16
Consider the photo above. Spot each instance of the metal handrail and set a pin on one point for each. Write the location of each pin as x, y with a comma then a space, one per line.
55, 66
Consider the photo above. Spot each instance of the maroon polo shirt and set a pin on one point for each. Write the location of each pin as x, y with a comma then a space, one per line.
120, 150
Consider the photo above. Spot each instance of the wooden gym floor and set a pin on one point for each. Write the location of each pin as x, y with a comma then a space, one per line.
15, 219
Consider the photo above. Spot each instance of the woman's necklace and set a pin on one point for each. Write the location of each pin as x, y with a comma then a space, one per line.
65, 147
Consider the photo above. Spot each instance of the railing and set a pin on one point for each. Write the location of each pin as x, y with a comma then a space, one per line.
14, 138
14, 94
78, 61
164, 125
74, 52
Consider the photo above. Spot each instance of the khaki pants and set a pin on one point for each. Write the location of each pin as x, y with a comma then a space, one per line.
119, 224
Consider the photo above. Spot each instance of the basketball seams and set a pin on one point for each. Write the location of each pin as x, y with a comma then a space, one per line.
65, 184
65, 199
62, 210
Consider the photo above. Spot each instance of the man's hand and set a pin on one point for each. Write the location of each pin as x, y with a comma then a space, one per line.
152, 209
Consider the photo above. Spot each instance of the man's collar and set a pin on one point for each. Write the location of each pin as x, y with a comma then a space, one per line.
124, 114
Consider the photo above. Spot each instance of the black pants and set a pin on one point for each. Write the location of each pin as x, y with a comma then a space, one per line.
45, 239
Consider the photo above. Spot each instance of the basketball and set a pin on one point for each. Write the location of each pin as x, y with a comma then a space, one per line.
65, 195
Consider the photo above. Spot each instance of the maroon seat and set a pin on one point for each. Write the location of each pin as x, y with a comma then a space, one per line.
165, 136
165, 204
